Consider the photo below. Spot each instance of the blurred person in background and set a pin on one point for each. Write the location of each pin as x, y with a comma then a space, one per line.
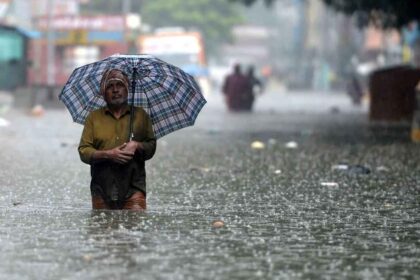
237, 89
266, 74
256, 86
354, 89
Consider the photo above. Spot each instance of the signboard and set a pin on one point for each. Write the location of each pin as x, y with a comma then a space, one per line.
161, 44
85, 37
56, 7
106, 23
76, 37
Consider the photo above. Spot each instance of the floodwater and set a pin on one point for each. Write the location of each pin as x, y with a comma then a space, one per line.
325, 195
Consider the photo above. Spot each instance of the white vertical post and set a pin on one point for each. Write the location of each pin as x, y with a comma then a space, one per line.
126, 7
50, 46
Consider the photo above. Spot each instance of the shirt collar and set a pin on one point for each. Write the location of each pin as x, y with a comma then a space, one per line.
127, 110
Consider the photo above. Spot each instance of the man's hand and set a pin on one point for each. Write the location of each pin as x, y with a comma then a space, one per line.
120, 154
132, 147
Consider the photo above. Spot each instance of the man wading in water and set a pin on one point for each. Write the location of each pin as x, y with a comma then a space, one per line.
117, 165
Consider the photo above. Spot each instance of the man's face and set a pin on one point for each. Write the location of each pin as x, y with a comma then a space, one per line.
115, 93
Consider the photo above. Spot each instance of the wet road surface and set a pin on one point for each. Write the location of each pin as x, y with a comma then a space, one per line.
323, 195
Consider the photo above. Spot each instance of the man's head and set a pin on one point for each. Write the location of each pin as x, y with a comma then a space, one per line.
237, 68
114, 87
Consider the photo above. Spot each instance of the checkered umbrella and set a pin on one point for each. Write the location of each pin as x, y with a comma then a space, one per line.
170, 96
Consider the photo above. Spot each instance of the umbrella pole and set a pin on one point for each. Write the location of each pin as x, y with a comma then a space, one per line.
133, 90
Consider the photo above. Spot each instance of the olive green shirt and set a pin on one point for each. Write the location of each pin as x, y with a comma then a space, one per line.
102, 131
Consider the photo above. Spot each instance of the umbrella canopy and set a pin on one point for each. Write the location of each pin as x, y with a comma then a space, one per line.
170, 96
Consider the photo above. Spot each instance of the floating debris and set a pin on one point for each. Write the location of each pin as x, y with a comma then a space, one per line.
291, 145
329, 184
218, 224
382, 169
351, 169
257, 145
359, 169
37, 111
87, 258
199, 169
4, 122
340, 167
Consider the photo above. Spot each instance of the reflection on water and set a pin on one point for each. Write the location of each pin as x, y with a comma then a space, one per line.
280, 220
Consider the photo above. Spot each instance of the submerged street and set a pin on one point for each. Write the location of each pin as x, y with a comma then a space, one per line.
306, 188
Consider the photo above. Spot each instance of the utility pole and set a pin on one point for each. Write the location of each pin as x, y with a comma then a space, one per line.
126, 7
50, 50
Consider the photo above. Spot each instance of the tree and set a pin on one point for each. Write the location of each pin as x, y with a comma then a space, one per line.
382, 13
98, 7
214, 18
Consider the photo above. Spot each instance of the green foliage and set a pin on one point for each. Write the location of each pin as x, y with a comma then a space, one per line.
214, 18
98, 7
382, 13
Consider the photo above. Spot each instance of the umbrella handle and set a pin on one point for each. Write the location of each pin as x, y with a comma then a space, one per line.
133, 89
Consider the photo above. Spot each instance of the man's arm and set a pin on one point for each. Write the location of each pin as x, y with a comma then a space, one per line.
86, 147
149, 144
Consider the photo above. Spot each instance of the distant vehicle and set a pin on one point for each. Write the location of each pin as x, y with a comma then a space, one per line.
181, 48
